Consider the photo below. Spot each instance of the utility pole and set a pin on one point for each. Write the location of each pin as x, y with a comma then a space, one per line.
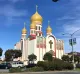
72, 43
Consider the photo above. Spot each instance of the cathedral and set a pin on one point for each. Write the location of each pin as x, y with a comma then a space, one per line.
36, 43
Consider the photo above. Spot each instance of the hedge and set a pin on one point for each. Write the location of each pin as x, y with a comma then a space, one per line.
34, 69
57, 64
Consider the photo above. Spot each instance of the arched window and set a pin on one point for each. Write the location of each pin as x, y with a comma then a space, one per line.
31, 31
39, 34
36, 33
39, 27
36, 27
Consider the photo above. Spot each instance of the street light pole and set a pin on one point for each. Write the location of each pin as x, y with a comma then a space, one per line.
72, 51
72, 46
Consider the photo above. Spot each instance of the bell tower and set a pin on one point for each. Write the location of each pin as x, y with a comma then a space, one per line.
49, 29
24, 32
23, 43
37, 19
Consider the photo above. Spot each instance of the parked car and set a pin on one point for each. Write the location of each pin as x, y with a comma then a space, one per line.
5, 65
17, 64
30, 65
77, 65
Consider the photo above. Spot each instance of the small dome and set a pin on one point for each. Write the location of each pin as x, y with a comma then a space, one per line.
36, 17
49, 30
24, 31
32, 26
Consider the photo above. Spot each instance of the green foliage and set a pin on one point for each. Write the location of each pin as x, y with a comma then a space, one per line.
17, 53
13, 70
67, 65
65, 58
76, 58
34, 69
48, 56
1, 52
40, 63
32, 58
56, 64
12, 53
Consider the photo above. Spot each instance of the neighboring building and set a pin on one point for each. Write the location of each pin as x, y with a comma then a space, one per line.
75, 53
36, 43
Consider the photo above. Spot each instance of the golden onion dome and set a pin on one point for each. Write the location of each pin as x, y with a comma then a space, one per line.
24, 31
49, 30
32, 26
36, 17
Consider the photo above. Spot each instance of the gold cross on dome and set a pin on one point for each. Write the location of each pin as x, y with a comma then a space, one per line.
48, 22
24, 24
36, 8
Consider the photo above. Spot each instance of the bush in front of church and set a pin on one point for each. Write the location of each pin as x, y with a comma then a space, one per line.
35, 69
48, 57
67, 66
14, 70
44, 64
56, 64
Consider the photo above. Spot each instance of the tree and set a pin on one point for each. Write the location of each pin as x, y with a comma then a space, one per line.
32, 58
1, 52
76, 58
17, 53
65, 58
51, 52
55, 0
10, 54
48, 56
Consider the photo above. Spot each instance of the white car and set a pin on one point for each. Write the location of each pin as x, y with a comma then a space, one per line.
17, 64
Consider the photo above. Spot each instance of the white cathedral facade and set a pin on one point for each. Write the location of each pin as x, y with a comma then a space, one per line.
36, 43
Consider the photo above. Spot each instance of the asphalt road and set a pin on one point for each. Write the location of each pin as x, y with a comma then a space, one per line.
54, 72
5, 71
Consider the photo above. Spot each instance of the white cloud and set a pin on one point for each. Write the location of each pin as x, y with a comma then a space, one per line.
12, 14
14, 1
71, 23
71, 27
9, 10
66, 17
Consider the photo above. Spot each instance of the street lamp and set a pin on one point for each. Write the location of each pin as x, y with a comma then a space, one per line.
71, 35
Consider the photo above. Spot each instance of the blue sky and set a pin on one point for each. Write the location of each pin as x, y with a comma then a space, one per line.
64, 17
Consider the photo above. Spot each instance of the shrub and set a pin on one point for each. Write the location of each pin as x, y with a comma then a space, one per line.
34, 69
40, 63
67, 65
56, 64
77, 65
13, 70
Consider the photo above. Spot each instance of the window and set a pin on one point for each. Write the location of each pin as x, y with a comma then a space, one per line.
39, 34
31, 31
36, 33
36, 27
39, 27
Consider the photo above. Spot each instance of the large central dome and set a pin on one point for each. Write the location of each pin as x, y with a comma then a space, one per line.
36, 17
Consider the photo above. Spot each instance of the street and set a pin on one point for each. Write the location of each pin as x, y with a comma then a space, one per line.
54, 72
3, 71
